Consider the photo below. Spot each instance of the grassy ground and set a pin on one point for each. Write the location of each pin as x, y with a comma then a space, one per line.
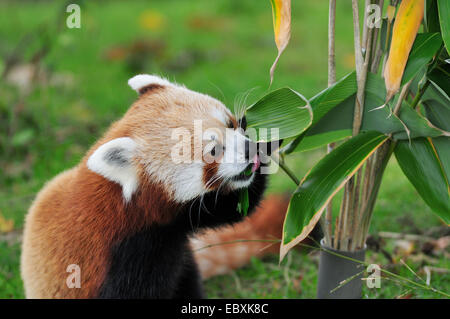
222, 48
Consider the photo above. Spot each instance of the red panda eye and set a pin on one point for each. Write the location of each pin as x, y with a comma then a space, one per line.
217, 150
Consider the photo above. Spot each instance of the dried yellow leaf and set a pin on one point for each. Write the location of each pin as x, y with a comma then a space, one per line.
406, 25
6, 225
281, 13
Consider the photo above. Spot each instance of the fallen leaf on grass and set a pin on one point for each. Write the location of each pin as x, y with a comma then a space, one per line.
152, 20
6, 225
403, 248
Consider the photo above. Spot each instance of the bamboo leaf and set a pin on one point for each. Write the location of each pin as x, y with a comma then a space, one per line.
322, 139
437, 106
417, 125
281, 13
432, 17
424, 48
407, 22
332, 96
335, 113
283, 110
320, 185
442, 147
441, 77
424, 167
444, 19
243, 203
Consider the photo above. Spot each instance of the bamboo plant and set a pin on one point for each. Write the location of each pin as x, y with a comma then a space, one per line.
395, 102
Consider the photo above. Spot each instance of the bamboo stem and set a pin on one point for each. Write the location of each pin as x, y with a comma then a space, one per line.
402, 96
364, 36
359, 62
287, 170
288, 149
349, 214
382, 158
331, 43
419, 94
376, 51
328, 229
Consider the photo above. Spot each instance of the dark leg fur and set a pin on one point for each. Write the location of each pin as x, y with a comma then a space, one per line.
190, 283
157, 262
148, 264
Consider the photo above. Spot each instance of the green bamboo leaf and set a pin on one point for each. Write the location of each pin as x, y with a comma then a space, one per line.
339, 117
243, 203
332, 96
320, 185
322, 139
444, 19
441, 77
442, 147
431, 17
424, 167
383, 34
418, 125
326, 101
437, 106
284, 110
424, 48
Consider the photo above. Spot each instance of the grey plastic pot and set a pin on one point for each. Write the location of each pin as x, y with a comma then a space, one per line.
334, 269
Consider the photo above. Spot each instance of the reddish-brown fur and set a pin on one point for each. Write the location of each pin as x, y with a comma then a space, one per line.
253, 235
84, 225
79, 215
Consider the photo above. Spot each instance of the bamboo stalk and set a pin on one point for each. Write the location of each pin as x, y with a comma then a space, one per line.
382, 158
376, 45
356, 192
287, 170
402, 96
331, 43
364, 36
359, 62
328, 229
351, 194
336, 231
345, 216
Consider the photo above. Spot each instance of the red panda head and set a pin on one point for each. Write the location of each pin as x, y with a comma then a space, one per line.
188, 142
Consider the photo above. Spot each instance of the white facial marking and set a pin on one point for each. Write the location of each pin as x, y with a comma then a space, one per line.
188, 182
141, 80
113, 160
221, 115
234, 161
242, 184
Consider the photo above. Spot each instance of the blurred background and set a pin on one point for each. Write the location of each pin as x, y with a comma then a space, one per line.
60, 88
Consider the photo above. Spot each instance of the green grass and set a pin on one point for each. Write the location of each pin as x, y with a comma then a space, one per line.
223, 48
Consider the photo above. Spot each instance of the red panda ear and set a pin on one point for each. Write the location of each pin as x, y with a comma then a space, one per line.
143, 83
114, 161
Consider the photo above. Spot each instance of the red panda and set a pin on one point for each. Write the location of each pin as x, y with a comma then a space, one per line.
219, 251
125, 214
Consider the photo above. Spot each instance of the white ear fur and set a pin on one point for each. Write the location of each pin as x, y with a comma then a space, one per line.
113, 160
139, 81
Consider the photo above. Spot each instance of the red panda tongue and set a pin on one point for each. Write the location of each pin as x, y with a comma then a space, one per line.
256, 163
